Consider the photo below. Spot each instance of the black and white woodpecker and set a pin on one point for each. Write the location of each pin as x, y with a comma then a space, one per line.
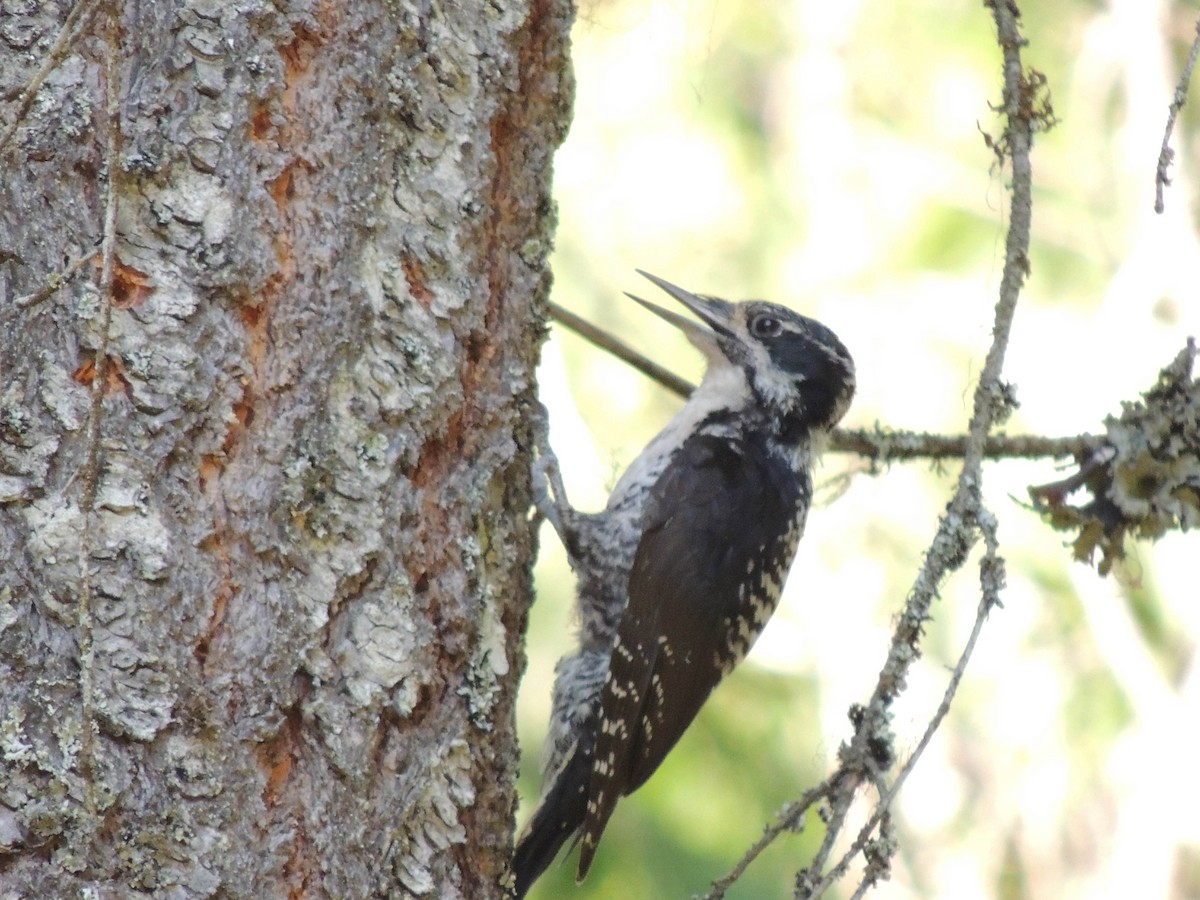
685, 565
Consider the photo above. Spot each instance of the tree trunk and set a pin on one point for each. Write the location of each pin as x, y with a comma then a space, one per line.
264, 445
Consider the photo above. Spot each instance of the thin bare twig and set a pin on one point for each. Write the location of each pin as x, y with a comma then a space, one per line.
789, 819
91, 466
621, 350
54, 282
1166, 155
76, 23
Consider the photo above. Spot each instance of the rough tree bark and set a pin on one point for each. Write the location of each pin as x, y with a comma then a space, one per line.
263, 453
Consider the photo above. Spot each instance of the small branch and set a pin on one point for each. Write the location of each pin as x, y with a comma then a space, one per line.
54, 282
1142, 482
882, 445
77, 21
1166, 155
991, 582
1056, 492
878, 445
790, 819
621, 350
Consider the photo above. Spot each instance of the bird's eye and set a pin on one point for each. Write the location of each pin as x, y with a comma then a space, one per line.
765, 326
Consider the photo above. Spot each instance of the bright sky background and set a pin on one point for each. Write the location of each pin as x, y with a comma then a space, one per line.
829, 156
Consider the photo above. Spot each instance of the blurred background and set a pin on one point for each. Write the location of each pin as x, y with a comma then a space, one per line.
829, 156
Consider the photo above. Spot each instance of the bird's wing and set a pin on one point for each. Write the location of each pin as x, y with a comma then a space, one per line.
719, 531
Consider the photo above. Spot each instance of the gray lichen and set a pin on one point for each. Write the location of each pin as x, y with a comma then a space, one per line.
1145, 480
430, 824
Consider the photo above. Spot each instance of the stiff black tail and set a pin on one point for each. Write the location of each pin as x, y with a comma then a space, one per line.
556, 819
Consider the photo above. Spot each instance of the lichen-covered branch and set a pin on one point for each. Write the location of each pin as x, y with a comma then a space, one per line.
1166, 155
883, 445
1145, 478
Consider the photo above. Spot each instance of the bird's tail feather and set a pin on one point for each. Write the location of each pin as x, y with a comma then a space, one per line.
556, 819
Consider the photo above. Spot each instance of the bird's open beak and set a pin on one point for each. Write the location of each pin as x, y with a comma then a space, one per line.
717, 314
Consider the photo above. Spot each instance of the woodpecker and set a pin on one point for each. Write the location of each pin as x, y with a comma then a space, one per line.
685, 565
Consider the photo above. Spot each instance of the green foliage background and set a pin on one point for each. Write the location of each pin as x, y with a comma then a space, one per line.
830, 156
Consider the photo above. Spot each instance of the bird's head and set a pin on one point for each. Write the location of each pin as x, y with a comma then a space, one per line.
795, 369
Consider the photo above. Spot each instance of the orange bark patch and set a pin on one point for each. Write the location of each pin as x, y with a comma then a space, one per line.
115, 378
220, 604
414, 274
260, 123
278, 755
254, 317
243, 409
278, 775
300, 865
297, 54
243, 412
281, 187
131, 286
211, 467
283, 191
